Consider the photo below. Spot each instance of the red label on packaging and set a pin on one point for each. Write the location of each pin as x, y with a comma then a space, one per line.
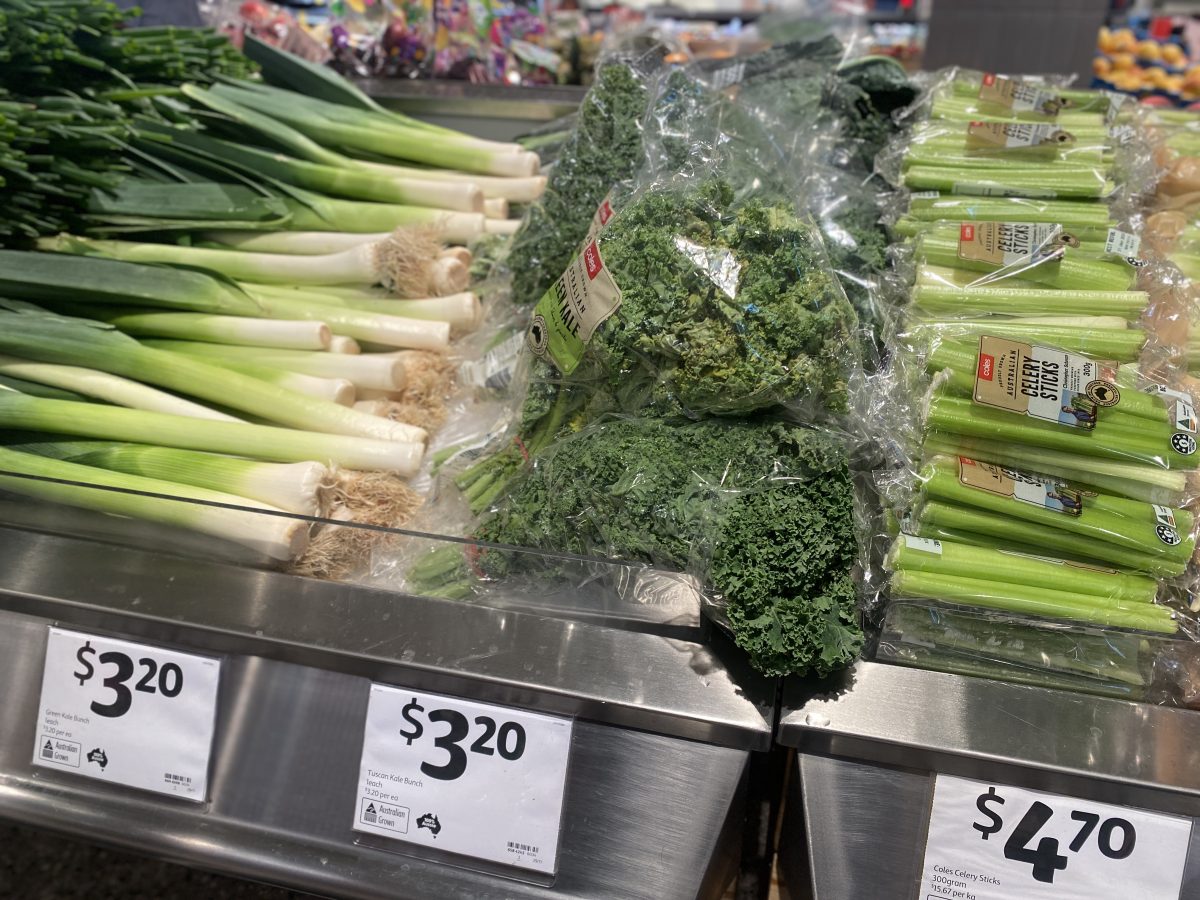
606, 212
591, 258
987, 365
989, 79
966, 232
963, 461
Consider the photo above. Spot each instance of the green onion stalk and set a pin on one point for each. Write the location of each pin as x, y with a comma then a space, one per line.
292, 487
405, 262
376, 371
44, 337
90, 383
264, 442
276, 536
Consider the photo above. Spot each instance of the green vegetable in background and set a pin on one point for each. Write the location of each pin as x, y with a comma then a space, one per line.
763, 507
605, 148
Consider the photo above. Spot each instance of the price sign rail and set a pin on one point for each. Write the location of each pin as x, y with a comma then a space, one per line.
963, 788
287, 749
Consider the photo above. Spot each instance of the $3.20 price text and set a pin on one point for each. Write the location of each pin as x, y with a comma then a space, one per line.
507, 739
1115, 837
152, 678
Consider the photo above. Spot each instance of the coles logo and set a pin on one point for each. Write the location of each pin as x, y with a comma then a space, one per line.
989, 79
606, 212
591, 259
966, 232
987, 366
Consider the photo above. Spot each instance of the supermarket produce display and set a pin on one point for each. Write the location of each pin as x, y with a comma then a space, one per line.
269, 268
781, 366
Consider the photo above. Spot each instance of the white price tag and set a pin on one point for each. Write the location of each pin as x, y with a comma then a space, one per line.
995, 842
471, 778
1125, 245
928, 545
127, 713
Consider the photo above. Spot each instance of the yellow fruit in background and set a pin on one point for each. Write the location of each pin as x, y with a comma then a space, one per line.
1157, 77
1123, 62
1149, 50
1174, 83
1124, 41
1173, 54
1105, 41
1101, 66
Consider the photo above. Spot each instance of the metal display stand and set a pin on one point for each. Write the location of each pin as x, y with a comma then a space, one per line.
667, 717
663, 737
869, 745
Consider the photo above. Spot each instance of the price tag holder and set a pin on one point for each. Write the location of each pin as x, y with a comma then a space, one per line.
463, 777
995, 842
127, 713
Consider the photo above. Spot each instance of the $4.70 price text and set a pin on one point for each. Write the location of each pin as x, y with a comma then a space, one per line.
1115, 837
506, 738
151, 678
989, 841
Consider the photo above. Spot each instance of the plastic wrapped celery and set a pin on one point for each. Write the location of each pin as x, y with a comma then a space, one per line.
1009, 648
969, 94
963, 494
1086, 219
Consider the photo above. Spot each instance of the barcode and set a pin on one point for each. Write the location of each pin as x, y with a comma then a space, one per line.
524, 848
176, 779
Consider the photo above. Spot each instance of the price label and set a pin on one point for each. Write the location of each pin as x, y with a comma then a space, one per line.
464, 777
995, 842
127, 713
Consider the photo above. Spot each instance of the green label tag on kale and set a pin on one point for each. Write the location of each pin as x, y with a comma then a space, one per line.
568, 314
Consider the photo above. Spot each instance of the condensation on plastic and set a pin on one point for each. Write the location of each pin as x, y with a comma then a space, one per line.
1089, 660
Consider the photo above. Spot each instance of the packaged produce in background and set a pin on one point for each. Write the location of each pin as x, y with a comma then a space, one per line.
681, 359
1038, 407
711, 303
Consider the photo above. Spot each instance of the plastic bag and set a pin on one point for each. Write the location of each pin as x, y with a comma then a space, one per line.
760, 510
603, 149
1007, 648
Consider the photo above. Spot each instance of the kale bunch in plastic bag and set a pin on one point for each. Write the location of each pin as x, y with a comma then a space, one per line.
864, 93
605, 148
763, 509
727, 308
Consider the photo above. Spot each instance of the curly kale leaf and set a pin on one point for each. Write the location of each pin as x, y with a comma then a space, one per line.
724, 310
768, 504
865, 93
605, 148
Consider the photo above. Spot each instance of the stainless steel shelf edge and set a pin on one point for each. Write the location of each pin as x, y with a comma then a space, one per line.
646, 817
611, 676
931, 720
871, 743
